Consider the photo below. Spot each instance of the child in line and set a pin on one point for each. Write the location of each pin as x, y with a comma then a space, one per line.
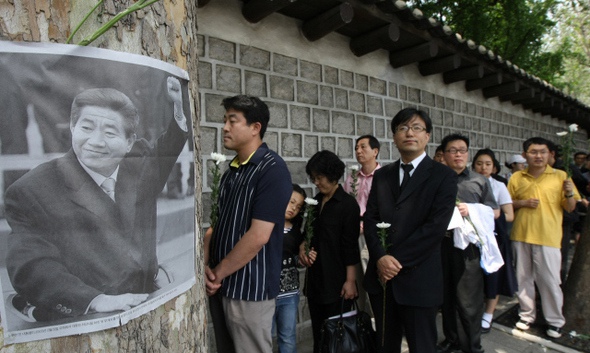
285, 319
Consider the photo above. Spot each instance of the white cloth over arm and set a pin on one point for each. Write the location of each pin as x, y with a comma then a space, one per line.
478, 229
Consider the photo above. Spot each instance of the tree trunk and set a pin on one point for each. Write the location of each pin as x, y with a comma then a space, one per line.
577, 286
165, 30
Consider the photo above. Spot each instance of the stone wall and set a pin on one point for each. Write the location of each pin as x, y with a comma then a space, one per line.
317, 106
323, 97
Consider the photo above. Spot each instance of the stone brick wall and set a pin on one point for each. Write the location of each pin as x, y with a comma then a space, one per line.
322, 97
316, 106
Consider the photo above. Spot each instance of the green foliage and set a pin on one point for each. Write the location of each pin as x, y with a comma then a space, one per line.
571, 36
512, 29
549, 66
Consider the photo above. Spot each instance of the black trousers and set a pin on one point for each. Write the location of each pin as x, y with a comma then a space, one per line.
320, 312
462, 307
567, 228
418, 324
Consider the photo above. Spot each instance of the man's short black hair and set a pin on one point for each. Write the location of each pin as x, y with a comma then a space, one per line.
453, 137
439, 148
407, 114
539, 141
254, 110
580, 153
109, 98
373, 142
325, 163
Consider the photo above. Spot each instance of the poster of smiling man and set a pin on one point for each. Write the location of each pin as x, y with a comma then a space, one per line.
91, 141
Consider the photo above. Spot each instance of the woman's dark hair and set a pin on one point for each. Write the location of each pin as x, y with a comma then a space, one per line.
497, 165
485, 152
325, 163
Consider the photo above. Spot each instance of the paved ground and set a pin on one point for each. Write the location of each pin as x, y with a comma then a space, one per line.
501, 339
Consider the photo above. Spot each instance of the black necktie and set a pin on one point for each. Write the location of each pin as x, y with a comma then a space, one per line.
407, 168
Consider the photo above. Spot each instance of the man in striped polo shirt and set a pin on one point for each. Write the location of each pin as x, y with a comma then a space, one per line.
243, 249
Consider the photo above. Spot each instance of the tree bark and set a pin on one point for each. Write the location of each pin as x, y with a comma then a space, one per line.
577, 287
165, 30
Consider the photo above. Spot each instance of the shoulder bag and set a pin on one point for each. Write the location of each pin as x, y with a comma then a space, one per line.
350, 332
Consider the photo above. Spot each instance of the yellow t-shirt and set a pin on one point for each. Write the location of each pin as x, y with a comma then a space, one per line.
541, 225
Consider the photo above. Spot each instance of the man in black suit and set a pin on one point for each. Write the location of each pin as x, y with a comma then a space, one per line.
418, 205
83, 226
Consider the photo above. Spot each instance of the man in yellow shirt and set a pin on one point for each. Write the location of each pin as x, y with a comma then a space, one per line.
540, 194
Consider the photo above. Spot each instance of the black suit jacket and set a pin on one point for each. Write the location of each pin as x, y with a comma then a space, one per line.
70, 242
419, 217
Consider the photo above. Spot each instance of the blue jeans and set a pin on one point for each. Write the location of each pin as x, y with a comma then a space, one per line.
285, 323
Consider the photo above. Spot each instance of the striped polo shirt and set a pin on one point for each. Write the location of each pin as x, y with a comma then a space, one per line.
259, 188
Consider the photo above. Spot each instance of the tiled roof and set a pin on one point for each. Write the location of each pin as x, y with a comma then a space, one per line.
413, 39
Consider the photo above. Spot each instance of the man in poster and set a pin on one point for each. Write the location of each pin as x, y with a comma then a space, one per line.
83, 226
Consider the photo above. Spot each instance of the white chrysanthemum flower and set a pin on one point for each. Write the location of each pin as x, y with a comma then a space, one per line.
311, 201
354, 168
561, 133
218, 157
383, 225
573, 127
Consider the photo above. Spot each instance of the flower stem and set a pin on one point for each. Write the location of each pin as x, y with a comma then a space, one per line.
354, 184
382, 234
137, 6
309, 218
383, 316
83, 21
215, 195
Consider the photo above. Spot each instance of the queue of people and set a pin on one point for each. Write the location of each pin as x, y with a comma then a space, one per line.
405, 213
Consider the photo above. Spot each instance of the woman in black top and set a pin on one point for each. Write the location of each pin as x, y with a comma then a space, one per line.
332, 275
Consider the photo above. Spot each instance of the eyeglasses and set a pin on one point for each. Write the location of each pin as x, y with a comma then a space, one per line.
455, 151
317, 177
538, 153
414, 128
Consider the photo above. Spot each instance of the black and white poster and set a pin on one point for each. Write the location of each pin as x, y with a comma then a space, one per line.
96, 181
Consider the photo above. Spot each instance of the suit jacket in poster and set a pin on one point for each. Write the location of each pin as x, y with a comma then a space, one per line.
70, 242
419, 217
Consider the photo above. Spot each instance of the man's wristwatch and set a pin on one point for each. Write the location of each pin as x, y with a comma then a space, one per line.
570, 195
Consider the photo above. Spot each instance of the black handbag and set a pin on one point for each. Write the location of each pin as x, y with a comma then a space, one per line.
350, 332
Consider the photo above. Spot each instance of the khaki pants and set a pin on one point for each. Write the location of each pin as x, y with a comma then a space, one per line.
541, 265
250, 324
